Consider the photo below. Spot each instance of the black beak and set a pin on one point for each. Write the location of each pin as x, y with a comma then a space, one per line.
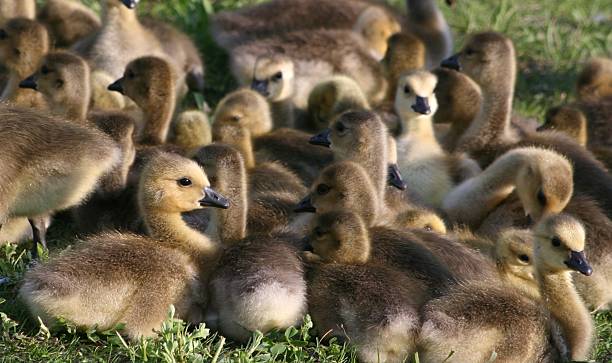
305, 206
195, 81
214, 199
130, 4
321, 139
306, 246
261, 87
578, 262
452, 62
422, 105
117, 86
395, 177
30, 83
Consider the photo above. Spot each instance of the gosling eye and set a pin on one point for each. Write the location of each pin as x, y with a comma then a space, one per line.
277, 77
406, 90
3, 34
556, 241
469, 51
235, 118
59, 83
130, 74
318, 231
184, 182
542, 198
340, 127
524, 258
428, 227
17, 52
322, 189
45, 70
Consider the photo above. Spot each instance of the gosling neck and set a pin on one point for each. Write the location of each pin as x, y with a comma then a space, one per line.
419, 128
565, 305
158, 110
75, 110
283, 113
245, 147
174, 232
232, 183
492, 123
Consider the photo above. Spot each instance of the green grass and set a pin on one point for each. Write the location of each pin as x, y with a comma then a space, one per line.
552, 38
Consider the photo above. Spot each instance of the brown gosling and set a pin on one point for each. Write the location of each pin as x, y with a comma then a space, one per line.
131, 279
427, 169
479, 320
569, 120
459, 101
312, 56
191, 131
330, 98
23, 44
595, 80
10, 9
489, 59
541, 178
273, 190
49, 166
150, 83
371, 20
246, 108
68, 21
353, 298
259, 283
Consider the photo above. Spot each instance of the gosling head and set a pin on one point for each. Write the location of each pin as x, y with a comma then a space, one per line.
420, 219
245, 108
237, 136
146, 80
63, 79
545, 184
514, 254
595, 80
340, 237
415, 97
405, 52
488, 58
332, 97
273, 77
342, 186
376, 26
352, 131
170, 183
458, 97
559, 245
569, 120
23, 44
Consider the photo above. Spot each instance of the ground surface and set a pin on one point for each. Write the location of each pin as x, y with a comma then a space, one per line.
552, 38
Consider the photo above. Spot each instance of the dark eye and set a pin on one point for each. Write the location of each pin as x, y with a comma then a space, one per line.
340, 127
406, 89
542, 198
278, 76
59, 83
130, 74
428, 227
469, 51
234, 118
17, 52
318, 232
556, 242
3, 34
184, 182
45, 70
524, 258
322, 189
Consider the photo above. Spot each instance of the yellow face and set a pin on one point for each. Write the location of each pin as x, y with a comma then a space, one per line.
415, 95
64, 81
376, 27
23, 43
514, 254
340, 237
245, 108
273, 78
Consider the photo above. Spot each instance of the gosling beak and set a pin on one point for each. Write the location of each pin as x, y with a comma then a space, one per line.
130, 4
261, 87
578, 262
117, 86
195, 81
321, 139
306, 245
395, 177
214, 199
452, 62
29, 82
541, 128
305, 206
421, 106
